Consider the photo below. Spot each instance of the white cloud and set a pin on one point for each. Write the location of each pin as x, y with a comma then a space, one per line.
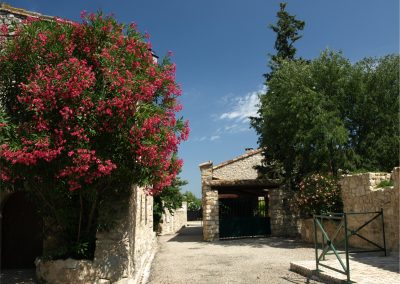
207, 138
236, 118
243, 107
236, 128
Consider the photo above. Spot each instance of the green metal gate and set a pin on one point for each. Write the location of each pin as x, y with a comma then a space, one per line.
243, 217
330, 246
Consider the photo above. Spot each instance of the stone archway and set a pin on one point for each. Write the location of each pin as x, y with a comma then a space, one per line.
21, 232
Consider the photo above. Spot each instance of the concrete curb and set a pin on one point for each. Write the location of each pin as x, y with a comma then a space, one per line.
314, 274
146, 270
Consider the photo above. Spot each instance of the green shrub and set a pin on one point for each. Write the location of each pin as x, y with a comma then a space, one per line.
385, 183
318, 194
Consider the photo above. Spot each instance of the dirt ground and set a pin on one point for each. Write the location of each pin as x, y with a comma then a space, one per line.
185, 258
18, 276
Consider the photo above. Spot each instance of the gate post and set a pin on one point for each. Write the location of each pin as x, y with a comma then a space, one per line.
209, 203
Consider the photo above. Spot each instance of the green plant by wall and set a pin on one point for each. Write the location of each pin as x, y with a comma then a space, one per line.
318, 194
385, 183
169, 199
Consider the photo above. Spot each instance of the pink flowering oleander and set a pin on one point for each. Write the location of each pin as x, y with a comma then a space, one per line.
80, 85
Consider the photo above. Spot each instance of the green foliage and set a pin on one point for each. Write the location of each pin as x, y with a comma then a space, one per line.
287, 33
287, 30
169, 199
385, 183
327, 114
193, 203
374, 118
318, 195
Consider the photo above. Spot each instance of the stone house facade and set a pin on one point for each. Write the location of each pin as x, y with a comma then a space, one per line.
121, 254
239, 176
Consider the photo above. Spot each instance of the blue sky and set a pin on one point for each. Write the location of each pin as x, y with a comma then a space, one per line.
221, 47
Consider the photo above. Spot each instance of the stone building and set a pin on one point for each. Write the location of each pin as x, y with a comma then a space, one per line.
121, 255
237, 203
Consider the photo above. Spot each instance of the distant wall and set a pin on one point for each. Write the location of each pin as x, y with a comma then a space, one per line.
172, 223
361, 194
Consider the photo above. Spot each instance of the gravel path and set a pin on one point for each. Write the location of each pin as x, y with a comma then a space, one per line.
185, 258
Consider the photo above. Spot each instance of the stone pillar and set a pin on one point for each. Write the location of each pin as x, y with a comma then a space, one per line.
209, 204
283, 220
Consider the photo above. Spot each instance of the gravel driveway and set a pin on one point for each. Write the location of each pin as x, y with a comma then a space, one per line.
185, 258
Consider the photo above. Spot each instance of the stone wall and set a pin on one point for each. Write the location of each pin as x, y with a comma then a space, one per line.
11, 16
67, 271
306, 229
240, 168
283, 221
172, 223
121, 254
210, 204
361, 194
144, 241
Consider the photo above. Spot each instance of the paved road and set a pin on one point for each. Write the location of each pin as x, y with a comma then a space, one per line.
185, 258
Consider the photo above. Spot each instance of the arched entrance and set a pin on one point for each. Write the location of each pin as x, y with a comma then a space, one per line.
21, 232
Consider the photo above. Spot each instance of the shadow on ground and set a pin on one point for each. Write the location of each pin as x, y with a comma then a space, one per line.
189, 234
18, 276
298, 279
390, 262
195, 234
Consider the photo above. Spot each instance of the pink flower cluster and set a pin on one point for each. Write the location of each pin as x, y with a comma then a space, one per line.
87, 166
90, 82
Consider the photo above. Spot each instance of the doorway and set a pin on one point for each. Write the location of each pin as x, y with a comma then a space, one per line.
243, 214
21, 232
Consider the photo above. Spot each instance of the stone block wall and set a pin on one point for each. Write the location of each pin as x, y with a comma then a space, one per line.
172, 223
11, 16
144, 239
211, 216
121, 254
361, 194
239, 168
8, 18
283, 221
